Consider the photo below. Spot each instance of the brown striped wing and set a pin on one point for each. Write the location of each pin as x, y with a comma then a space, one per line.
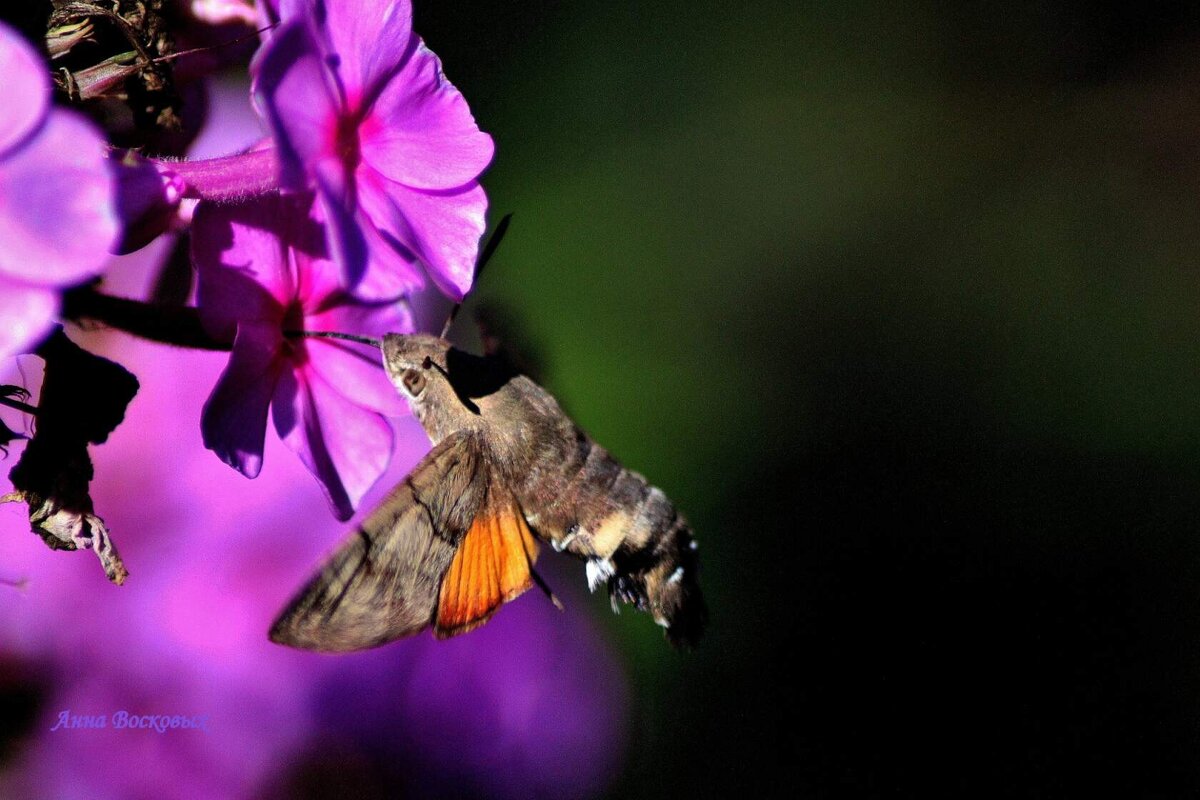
382, 583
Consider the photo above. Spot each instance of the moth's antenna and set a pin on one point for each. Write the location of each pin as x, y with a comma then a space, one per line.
349, 337
217, 46
488, 250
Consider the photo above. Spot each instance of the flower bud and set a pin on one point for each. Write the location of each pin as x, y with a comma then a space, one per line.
147, 201
61, 39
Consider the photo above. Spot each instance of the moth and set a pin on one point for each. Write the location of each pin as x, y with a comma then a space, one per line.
458, 538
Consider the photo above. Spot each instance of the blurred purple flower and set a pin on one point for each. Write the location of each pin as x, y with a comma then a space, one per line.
484, 732
361, 113
224, 12
263, 271
57, 219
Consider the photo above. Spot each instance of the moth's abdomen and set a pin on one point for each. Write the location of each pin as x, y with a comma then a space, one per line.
656, 568
633, 538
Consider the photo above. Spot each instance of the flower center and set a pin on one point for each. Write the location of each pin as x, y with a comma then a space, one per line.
346, 143
293, 346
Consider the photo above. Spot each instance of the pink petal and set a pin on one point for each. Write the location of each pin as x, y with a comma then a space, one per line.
317, 281
57, 215
346, 447
441, 228
26, 313
290, 9
351, 315
420, 131
370, 38
234, 421
357, 370
392, 269
317, 278
26, 88
240, 257
298, 101
347, 244
358, 375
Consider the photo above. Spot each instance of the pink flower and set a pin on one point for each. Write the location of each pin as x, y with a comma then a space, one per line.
263, 271
57, 219
361, 112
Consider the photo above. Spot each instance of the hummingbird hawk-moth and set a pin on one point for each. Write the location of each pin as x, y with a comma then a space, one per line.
459, 536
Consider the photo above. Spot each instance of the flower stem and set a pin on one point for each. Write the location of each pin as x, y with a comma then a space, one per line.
226, 178
176, 325
18, 405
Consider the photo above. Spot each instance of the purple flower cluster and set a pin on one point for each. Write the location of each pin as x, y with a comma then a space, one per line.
374, 162
361, 114
367, 188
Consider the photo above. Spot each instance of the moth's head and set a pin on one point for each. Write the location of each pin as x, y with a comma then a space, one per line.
419, 367
416, 364
443, 385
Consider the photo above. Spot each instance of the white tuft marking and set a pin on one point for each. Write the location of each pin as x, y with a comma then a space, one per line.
598, 571
561, 544
676, 576
662, 622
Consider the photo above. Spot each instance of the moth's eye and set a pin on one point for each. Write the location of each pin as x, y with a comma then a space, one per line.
414, 381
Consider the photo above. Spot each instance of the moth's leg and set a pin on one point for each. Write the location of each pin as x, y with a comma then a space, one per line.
545, 587
531, 520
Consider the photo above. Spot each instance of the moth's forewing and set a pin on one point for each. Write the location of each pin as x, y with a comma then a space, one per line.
494, 564
383, 582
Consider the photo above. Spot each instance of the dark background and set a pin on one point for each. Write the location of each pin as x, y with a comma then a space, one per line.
900, 304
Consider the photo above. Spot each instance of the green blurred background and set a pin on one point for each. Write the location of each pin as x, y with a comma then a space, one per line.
899, 302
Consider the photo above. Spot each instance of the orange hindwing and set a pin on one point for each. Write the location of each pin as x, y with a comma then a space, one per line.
492, 566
